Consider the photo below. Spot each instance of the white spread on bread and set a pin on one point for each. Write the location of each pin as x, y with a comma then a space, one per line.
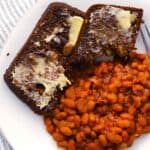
37, 44
124, 17
110, 25
74, 24
75, 27
50, 75
53, 35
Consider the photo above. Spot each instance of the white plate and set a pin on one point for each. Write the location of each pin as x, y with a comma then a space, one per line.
24, 129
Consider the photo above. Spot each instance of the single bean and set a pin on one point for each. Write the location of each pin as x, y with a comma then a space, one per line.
66, 131
114, 138
123, 123
58, 137
84, 118
103, 140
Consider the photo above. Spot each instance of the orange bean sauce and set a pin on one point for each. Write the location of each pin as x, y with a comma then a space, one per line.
105, 111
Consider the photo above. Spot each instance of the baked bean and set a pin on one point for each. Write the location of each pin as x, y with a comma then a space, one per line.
66, 131
71, 124
114, 138
102, 109
47, 121
130, 140
137, 88
90, 105
92, 117
58, 137
93, 134
125, 135
69, 102
137, 102
70, 93
84, 118
146, 129
61, 115
71, 118
117, 107
141, 67
112, 97
126, 116
131, 110
121, 98
127, 77
71, 145
77, 120
116, 129
142, 120
87, 85
82, 105
145, 108
92, 146
112, 88
122, 146
123, 123
98, 128
63, 144
127, 84
87, 130
134, 65
83, 93
69, 111
50, 129
55, 121
80, 136
143, 77
103, 140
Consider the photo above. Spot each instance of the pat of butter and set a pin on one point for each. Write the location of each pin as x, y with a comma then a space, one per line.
50, 37
76, 24
125, 19
49, 74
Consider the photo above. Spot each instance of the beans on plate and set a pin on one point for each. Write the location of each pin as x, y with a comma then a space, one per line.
105, 111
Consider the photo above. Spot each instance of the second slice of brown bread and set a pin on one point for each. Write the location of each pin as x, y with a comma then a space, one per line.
109, 31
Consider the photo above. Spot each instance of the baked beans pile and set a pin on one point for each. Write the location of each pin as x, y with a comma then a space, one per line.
106, 111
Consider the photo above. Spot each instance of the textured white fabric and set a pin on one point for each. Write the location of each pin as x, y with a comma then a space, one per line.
10, 13
4, 145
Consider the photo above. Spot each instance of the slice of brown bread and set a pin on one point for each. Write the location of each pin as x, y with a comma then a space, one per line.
109, 30
41, 71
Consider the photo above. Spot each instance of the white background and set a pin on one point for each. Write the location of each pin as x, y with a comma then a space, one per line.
24, 129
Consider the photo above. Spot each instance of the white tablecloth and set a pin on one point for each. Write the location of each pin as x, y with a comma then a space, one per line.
10, 13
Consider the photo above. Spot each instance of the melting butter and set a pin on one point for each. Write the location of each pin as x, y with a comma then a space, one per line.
124, 17
53, 35
49, 74
75, 27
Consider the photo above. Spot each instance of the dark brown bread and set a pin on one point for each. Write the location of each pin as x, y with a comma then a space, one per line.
42, 58
108, 32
